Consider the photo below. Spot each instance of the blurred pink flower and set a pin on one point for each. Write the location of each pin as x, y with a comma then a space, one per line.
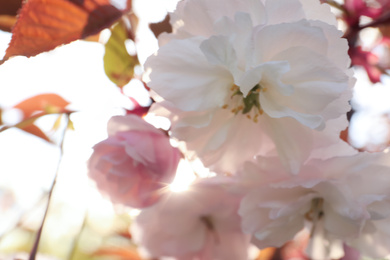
198, 224
354, 9
368, 60
134, 163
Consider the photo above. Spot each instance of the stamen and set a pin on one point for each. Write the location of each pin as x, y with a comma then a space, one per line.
261, 111
248, 105
315, 213
234, 87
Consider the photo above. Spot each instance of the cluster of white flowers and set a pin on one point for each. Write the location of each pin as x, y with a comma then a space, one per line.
258, 90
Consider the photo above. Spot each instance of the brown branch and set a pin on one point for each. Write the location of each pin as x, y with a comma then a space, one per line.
34, 249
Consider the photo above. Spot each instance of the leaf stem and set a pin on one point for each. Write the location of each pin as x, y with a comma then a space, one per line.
30, 120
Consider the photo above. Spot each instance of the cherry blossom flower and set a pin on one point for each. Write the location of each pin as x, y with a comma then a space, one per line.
134, 163
201, 223
251, 74
342, 199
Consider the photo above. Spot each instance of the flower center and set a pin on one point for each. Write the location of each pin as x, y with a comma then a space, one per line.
208, 222
319, 245
316, 212
248, 105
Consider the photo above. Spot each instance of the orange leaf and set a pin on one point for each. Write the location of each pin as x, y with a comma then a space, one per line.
6, 22
43, 25
344, 135
124, 253
34, 130
267, 253
43, 102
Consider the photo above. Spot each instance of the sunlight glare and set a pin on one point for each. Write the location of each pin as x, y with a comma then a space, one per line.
184, 177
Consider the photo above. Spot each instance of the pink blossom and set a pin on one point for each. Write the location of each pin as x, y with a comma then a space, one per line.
341, 199
134, 163
198, 224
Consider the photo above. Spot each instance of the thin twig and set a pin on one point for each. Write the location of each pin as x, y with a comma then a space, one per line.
335, 5
383, 20
34, 249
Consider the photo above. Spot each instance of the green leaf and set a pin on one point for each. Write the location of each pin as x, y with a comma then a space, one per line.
118, 63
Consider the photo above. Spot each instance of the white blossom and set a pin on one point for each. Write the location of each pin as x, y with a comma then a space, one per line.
263, 75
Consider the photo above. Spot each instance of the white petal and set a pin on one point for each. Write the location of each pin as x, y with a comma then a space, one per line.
197, 17
374, 244
219, 51
273, 109
272, 39
314, 10
182, 75
337, 46
292, 140
281, 11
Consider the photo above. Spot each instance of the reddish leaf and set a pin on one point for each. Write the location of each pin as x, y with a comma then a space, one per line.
34, 130
134, 21
160, 27
45, 24
8, 7
138, 109
49, 103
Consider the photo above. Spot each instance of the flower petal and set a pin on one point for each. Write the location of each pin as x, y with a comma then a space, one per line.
182, 75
